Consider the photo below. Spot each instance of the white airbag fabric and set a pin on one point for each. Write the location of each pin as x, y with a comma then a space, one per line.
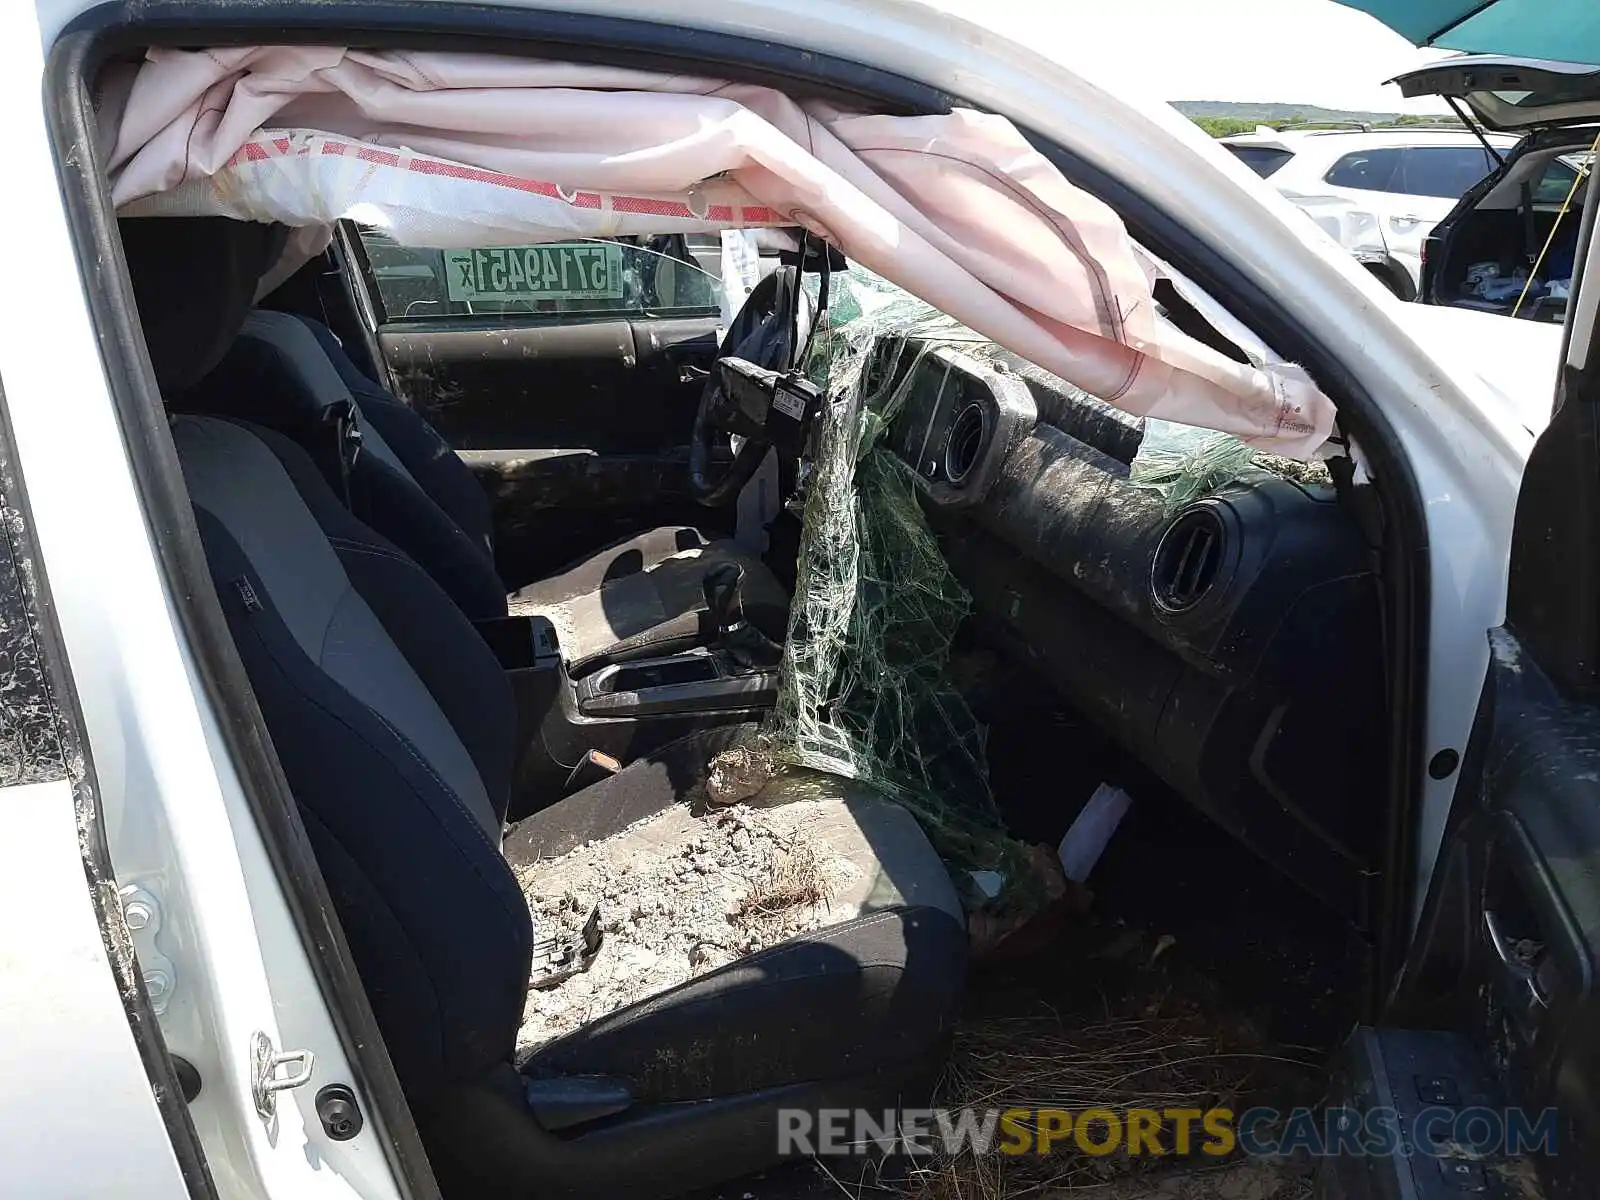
460, 150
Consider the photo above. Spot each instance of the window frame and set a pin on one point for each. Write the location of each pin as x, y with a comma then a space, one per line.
121, 27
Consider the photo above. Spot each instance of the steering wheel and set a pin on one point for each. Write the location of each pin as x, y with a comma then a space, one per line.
764, 333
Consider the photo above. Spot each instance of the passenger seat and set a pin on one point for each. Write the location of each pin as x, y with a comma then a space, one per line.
407, 483
394, 726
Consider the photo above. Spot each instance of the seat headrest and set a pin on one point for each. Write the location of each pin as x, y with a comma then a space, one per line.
195, 279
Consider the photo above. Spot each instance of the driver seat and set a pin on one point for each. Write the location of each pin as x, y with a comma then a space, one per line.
395, 729
643, 597
638, 596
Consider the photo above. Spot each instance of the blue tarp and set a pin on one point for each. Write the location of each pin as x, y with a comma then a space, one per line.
1564, 30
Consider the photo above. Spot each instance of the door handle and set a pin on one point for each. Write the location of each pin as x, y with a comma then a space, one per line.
1523, 973
691, 358
702, 348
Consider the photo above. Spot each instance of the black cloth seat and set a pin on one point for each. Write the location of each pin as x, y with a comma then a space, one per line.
394, 725
843, 996
395, 729
288, 373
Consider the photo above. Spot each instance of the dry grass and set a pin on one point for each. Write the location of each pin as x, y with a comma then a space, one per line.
792, 876
1166, 1059
987, 1179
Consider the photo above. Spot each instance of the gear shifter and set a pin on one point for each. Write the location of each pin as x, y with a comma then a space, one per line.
745, 645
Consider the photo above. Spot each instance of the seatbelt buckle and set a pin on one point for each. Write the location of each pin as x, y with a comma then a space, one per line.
346, 423
566, 954
338, 442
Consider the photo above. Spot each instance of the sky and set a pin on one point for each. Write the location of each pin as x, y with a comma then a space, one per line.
1297, 51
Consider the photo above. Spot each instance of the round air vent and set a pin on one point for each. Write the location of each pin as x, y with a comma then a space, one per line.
1189, 559
965, 443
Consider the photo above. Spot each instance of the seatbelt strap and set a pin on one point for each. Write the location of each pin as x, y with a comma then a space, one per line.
1530, 229
794, 299
757, 506
804, 351
822, 306
339, 442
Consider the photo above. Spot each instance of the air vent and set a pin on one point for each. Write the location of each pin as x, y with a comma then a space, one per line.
965, 443
1188, 560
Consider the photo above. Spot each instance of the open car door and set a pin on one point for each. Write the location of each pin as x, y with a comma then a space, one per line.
1491, 1052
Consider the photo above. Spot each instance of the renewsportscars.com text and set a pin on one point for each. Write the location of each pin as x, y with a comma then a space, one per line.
1214, 1132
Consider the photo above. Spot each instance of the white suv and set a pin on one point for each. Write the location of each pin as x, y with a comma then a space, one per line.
1377, 192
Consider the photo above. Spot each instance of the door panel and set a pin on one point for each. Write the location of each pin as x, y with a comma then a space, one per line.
1513, 930
1539, 907
576, 412
1510, 936
610, 386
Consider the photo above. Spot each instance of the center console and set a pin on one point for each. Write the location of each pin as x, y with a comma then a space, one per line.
697, 681
621, 710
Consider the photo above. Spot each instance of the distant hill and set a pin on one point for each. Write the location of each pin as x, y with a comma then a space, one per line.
1272, 113
1222, 118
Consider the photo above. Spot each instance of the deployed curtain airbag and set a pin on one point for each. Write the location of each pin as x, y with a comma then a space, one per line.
458, 150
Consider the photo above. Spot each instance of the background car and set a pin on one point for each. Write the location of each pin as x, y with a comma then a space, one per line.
1509, 245
1377, 192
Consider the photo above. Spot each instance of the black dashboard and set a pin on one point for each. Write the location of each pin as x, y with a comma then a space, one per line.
1233, 646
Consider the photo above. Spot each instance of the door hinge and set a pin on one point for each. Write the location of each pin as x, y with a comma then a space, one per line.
141, 911
266, 1081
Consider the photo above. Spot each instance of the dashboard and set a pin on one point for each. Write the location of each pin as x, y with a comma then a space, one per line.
1233, 646
955, 417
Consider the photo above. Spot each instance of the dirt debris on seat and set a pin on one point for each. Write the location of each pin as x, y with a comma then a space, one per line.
739, 773
679, 895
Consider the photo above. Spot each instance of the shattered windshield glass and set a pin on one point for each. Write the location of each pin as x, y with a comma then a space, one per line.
865, 692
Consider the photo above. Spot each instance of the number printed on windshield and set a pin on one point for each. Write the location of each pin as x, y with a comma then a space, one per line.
555, 271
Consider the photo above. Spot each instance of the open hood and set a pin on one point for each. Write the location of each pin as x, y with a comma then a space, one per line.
1512, 94
1568, 30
